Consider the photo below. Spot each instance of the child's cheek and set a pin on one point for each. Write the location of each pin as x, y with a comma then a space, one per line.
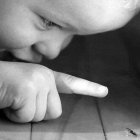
16, 36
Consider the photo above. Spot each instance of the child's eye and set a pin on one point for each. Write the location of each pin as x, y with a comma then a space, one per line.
47, 25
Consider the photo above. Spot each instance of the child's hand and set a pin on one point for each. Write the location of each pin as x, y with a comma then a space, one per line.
29, 92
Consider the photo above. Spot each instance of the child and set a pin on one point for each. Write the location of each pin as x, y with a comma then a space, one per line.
32, 28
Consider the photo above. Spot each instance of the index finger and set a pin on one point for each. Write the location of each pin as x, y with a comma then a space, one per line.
70, 84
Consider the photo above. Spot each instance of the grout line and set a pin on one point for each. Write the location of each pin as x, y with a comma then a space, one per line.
100, 117
88, 68
31, 131
68, 118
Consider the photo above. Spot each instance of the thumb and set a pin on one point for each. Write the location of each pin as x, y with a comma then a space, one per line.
70, 84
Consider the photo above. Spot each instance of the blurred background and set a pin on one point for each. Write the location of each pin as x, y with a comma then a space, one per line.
103, 57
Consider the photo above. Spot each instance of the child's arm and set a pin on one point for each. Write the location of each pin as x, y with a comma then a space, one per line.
28, 92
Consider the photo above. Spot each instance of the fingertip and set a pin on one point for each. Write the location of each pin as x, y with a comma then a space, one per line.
96, 90
103, 91
71, 84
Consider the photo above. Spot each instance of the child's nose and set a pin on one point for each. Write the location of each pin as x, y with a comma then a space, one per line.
51, 48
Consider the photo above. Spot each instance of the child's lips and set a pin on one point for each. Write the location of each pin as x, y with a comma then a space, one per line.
34, 58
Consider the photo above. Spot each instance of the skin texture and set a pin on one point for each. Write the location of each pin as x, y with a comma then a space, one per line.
25, 35
30, 29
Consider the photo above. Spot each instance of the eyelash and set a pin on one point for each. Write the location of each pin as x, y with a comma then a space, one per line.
47, 25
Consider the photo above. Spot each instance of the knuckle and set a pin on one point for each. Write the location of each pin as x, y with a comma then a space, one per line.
43, 75
45, 72
27, 87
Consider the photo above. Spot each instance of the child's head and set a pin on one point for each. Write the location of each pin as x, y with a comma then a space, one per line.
32, 28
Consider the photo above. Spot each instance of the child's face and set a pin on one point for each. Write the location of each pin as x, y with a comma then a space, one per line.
25, 32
